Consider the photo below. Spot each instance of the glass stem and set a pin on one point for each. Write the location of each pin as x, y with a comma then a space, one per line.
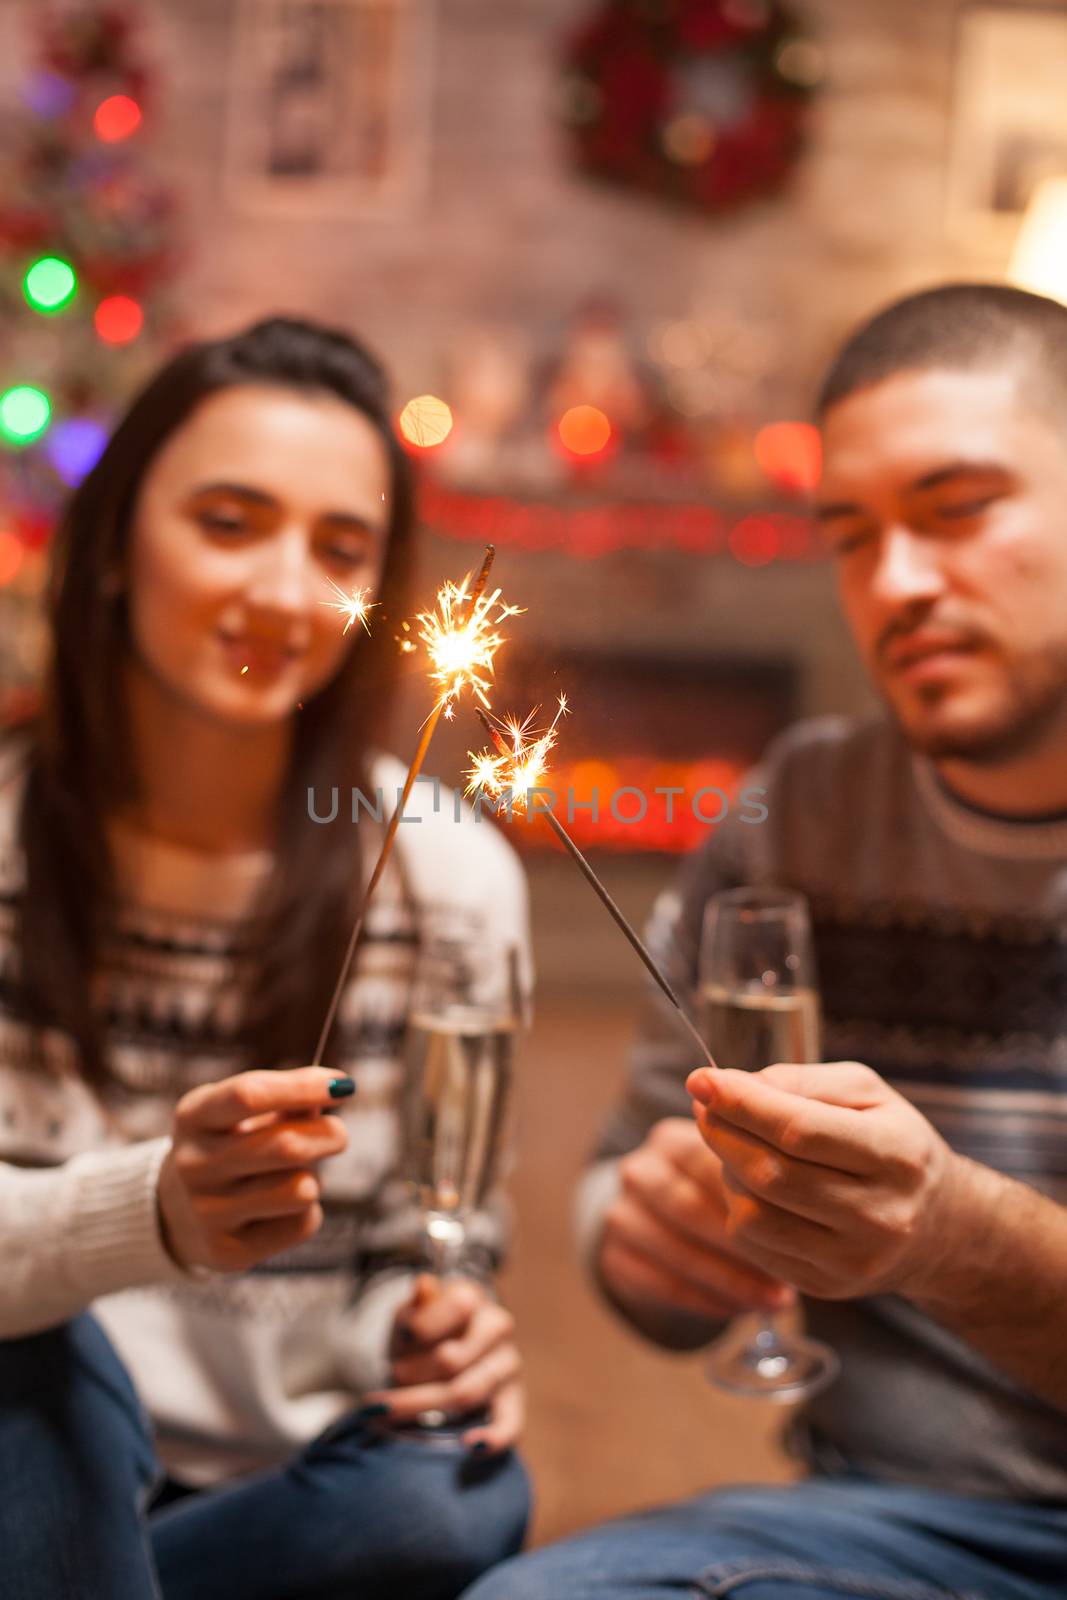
445, 1240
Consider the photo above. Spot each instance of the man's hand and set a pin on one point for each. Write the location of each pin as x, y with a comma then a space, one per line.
666, 1243
835, 1182
239, 1182
453, 1350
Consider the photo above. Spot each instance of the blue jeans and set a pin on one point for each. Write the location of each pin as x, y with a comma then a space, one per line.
355, 1516
827, 1539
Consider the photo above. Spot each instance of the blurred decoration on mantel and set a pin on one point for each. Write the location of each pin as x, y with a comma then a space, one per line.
619, 437
86, 248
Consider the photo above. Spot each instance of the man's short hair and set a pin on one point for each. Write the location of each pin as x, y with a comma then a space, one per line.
962, 327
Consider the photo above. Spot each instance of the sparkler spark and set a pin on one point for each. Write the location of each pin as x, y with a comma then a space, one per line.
461, 640
521, 762
353, 607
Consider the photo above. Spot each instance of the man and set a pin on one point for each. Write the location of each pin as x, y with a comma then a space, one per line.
913, 1186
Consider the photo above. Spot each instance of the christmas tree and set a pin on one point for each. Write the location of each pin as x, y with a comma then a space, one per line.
86, 246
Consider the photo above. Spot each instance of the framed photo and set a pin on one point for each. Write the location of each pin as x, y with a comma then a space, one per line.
1009, 124
329, 106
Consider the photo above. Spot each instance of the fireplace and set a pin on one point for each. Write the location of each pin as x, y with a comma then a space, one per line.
660, 743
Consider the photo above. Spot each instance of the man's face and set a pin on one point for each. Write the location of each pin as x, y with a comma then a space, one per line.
944, 504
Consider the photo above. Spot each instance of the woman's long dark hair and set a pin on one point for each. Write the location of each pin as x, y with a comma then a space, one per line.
80, 767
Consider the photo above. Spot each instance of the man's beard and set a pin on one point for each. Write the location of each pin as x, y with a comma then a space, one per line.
1029, 713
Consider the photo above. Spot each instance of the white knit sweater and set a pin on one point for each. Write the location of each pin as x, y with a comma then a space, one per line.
236, 1370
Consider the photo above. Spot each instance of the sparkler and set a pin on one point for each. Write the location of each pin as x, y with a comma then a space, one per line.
353, 607
511, 777
462, 651
461, 641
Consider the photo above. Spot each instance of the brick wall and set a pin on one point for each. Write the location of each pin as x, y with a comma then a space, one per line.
507, 235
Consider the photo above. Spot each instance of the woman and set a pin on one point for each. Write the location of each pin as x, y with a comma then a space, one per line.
174, 913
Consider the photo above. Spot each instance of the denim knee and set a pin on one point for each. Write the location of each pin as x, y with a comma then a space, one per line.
66, 1386
439, 1517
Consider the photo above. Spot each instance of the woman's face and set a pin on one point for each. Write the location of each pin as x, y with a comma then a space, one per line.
254, 508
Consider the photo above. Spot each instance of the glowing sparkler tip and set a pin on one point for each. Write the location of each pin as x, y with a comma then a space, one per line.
520, 766
461, 640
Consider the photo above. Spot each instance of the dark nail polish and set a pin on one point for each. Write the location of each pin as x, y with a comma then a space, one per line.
368, 1413
341, 1088
405, 1337
479, 1448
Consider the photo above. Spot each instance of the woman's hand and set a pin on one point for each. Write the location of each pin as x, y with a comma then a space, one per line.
453, 1350
239, 1182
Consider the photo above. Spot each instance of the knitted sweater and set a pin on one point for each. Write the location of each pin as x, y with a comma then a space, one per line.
236, 1370
941, 944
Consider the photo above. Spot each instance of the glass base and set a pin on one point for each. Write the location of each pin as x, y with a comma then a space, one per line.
432, 1428
771, 1365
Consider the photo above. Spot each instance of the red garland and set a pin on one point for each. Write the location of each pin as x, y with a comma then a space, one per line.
590, 531
635, 69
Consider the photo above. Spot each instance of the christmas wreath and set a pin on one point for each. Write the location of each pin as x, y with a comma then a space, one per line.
699, 101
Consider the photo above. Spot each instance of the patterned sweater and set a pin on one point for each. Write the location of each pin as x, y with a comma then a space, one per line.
941, 943
236, 1370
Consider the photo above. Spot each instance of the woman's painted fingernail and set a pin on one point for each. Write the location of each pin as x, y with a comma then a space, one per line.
368, 1413
405, 1336
341, 1088
479, 1448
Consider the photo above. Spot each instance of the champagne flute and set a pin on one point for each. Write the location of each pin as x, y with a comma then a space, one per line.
460, 1067
759, 1005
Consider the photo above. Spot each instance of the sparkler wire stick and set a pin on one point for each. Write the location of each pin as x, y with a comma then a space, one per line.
394, 823
623, 925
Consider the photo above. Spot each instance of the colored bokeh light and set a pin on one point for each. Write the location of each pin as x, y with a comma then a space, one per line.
75, 446
116, 118
49, 94
755, 541
790, 454
426, 422
584, 431
49, 284
12, 553
25, 413
118, 319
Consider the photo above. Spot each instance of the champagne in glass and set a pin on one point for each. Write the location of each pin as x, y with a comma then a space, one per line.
753, 1026
759, 1005
460, 1059
460, 1064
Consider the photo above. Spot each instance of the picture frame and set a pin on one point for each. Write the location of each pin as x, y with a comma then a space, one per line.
329, 106
1009, 116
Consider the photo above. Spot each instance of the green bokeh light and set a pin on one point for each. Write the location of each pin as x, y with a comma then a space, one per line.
25, 413
49, 284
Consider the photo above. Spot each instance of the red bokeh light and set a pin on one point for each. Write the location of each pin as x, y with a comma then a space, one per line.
116, 118
118, 319
790, 453
755, 541
584, 431
12, 552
